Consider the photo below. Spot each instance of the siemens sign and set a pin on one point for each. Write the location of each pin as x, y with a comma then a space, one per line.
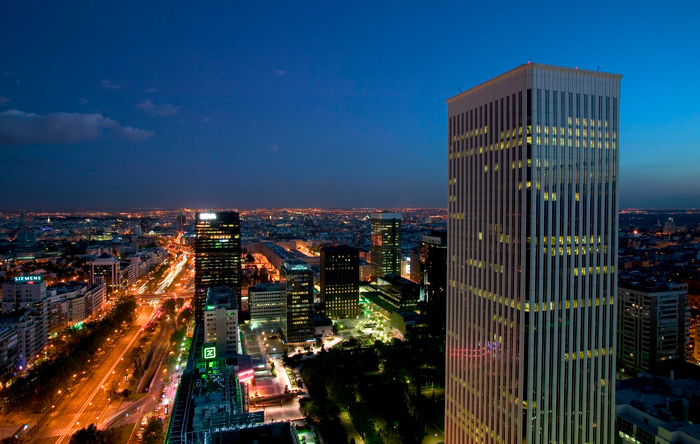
207, 216
27, 278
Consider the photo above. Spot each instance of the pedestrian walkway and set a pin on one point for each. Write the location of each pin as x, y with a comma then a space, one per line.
53, 433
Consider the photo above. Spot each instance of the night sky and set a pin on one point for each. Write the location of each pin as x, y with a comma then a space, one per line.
117, 105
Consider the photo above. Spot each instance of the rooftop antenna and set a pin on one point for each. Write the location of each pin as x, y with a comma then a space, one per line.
598, 67
459, 89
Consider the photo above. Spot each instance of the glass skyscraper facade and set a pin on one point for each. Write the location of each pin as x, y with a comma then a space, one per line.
532, 249
386, 244
217, 249
299, 324
340, 281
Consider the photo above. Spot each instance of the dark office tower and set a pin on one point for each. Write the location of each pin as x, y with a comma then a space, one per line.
182, 219
145, 226
298, 326
340, 281
217, 249
433, 264
532, 247
386, 244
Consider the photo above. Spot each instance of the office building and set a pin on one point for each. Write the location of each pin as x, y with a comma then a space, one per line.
298, 325
653, 326
433, 276
532, 249
74, 304
657, 410
106, 269
267, 302
217, 250
221, 321
22, 293
386, 244
402, 294
340, 282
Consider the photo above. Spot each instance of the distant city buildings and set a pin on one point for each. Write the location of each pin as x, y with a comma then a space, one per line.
217, 256
340, 280
386, 244
221, 321
298, 326
532, 242
653, 327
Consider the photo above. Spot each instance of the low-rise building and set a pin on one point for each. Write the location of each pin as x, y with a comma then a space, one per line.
657, 410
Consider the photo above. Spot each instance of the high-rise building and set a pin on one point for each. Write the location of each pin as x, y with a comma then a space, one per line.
217, 250
653, 326
298, 326
221, 321
182, 219
386, 244
532, 249
106, 269
340, 281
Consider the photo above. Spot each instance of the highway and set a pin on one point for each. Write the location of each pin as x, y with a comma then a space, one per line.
87, 401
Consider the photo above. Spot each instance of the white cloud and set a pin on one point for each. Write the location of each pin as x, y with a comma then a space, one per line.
151, 90
4, 100
106, 84
20, 128
157, 110
83, 101
206, 119
279, 72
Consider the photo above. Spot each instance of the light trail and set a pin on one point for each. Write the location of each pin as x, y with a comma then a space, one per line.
172, 274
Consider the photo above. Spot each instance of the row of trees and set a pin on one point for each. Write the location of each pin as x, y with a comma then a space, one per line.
379, 386
39, 387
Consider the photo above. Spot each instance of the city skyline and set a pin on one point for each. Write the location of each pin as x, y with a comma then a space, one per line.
325, 95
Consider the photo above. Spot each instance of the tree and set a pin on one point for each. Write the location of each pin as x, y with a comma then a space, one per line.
390, 435
264, 275
169, 306
153, 433
13, 440
92, 435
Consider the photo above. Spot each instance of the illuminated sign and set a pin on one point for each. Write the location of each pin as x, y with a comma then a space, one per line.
28, 279
209, 352
245, 375
207, 216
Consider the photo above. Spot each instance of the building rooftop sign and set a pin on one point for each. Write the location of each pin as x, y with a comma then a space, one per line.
31, 278
207, 216
209, 352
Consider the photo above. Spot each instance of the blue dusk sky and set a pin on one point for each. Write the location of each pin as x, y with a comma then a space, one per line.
118, 104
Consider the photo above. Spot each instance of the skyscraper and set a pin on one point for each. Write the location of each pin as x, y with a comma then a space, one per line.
340, 281
217, 250
298, 326
386, 244
532, 248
